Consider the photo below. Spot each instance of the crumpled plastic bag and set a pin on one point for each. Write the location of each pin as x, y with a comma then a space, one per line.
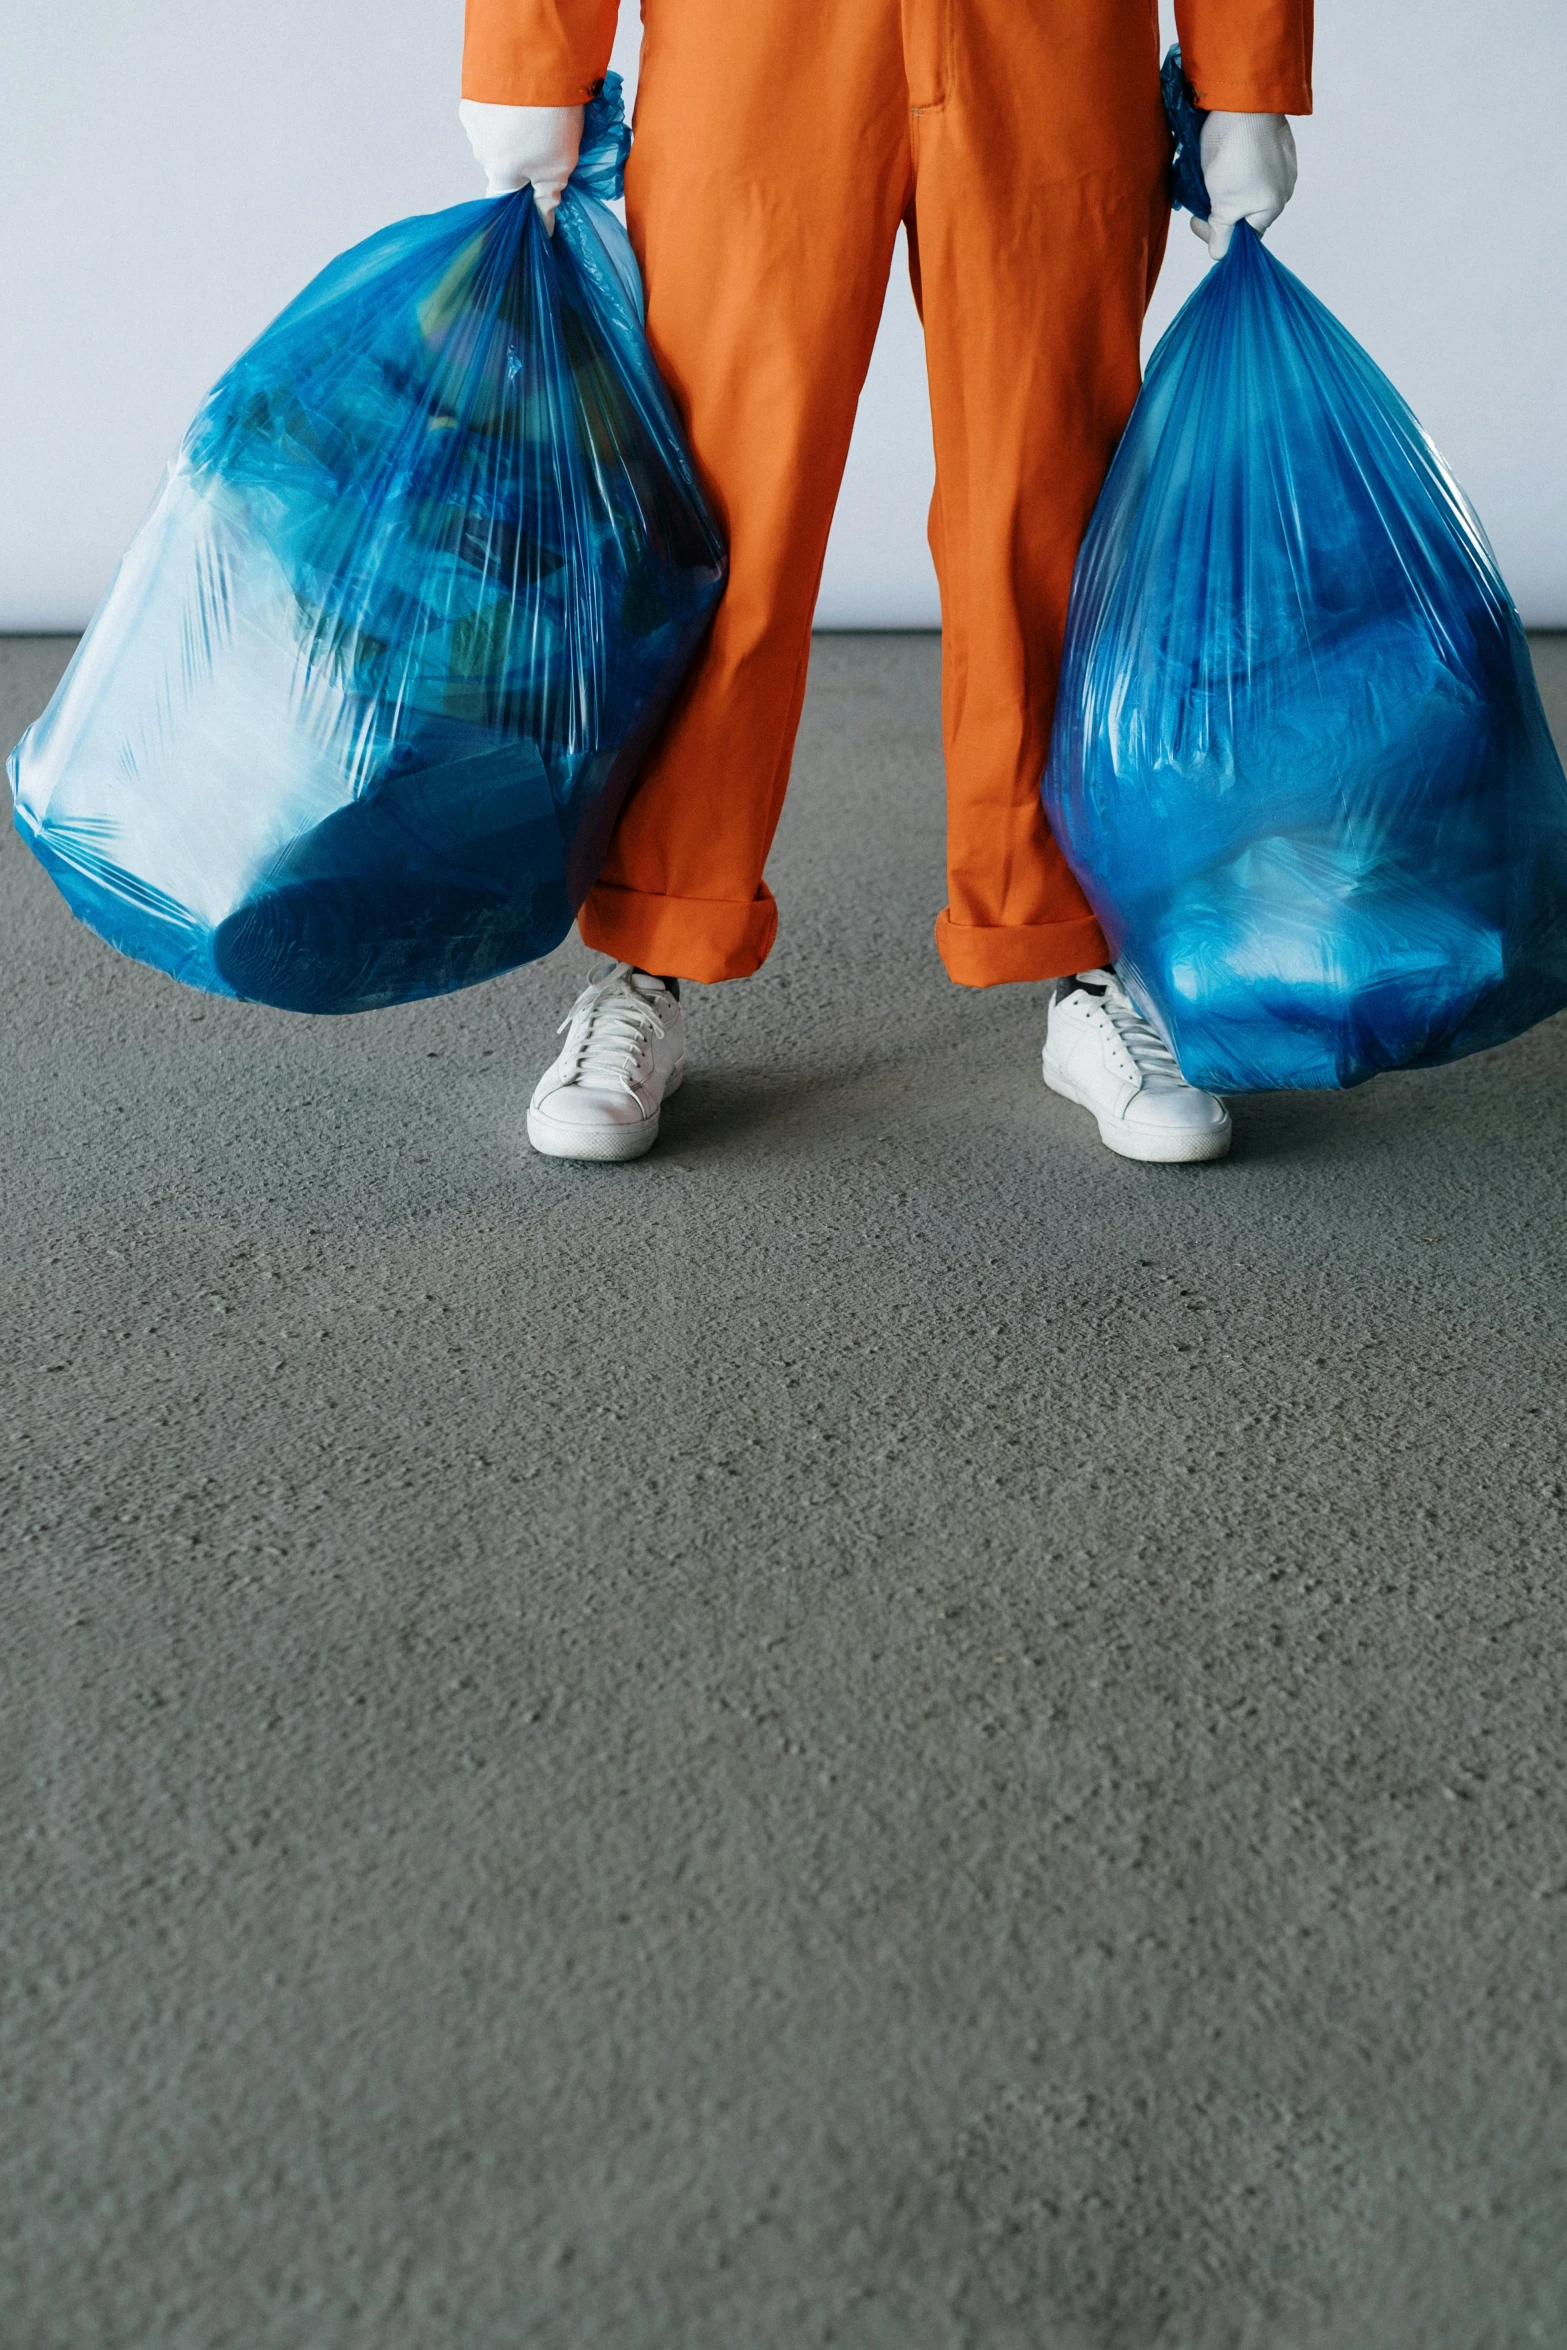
357, 715
1299, 762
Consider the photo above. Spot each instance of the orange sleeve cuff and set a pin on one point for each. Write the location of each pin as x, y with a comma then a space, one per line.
536, 52
1247, 56
1221, 94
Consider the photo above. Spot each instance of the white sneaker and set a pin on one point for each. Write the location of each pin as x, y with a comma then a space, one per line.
625, 1052
1101, 1053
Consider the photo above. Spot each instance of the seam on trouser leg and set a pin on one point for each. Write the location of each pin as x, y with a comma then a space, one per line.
783, 765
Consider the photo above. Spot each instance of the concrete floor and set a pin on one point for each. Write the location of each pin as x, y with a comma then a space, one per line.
882, 1730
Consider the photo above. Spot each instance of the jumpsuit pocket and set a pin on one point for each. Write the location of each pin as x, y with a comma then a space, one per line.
927, 53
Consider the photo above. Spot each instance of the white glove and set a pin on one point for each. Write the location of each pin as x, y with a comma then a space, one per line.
1248, 162
518, 146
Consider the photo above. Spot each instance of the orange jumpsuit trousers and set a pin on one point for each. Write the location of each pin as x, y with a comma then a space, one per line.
779, 145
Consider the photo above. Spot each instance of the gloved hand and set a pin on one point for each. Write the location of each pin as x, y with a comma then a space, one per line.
1248, 161
517, 145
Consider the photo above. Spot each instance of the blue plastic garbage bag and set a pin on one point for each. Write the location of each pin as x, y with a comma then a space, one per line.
1299, 763
358, 713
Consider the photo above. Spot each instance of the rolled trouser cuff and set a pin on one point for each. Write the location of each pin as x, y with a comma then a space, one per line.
681, 938
990, 955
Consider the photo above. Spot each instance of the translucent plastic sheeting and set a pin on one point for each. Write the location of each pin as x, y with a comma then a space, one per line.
364, 700
1300, 764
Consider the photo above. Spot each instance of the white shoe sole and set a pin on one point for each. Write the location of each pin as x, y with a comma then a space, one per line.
1162, 1150
554, 1138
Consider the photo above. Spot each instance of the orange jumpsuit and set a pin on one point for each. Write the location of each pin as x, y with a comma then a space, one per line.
779, 145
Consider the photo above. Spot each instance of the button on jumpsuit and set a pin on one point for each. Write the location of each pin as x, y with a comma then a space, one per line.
779, 145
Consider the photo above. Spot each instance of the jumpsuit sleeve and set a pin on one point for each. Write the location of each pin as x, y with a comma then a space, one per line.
1247, 56
536, 52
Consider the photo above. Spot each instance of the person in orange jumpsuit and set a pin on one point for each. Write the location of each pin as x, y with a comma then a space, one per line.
780, 145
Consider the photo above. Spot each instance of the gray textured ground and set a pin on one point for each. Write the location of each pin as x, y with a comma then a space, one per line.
883, 1730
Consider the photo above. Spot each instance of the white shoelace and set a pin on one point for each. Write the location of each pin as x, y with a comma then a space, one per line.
606, 1031
1150, 1055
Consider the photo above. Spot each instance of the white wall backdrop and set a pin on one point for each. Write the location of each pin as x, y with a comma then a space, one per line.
171, 171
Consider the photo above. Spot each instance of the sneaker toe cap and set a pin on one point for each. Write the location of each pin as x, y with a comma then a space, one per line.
1176, 1110
588, 1107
